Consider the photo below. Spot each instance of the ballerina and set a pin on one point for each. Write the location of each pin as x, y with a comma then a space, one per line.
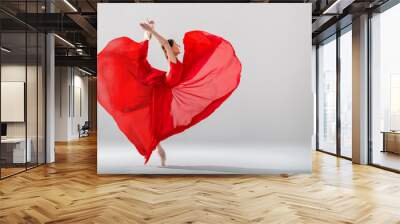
171, 50
149, 105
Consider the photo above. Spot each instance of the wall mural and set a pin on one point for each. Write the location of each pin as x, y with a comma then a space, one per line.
170, 94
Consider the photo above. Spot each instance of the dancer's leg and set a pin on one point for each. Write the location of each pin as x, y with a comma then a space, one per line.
162, 154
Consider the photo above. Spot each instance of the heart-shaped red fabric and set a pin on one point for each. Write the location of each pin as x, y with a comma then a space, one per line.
149, 105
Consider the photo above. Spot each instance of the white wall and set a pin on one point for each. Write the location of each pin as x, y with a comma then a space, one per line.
61, 103
17, 72
33, 126
264, 127
81, 84
69, 81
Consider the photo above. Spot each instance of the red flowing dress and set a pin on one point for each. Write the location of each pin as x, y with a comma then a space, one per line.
148, 104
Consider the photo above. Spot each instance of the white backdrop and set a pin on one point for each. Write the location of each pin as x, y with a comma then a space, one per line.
264, 127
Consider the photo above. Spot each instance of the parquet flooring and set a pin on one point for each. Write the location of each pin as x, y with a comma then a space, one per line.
10, 171
70, 191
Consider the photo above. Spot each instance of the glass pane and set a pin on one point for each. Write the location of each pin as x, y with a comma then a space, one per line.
13, 89
31, 86
327, 96
386, 89
41, 98
31, 100
346, 93
22, 89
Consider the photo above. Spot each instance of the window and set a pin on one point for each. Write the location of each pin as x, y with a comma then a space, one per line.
346, 93
327, 96
385, 89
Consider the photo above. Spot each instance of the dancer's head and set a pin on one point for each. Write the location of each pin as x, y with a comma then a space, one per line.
175, 47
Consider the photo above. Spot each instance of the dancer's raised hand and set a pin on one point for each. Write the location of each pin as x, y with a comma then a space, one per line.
147, 27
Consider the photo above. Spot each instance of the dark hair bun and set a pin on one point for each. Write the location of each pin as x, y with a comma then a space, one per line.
171, 42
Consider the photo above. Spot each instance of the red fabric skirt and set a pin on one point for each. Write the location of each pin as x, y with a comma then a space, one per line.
148, 104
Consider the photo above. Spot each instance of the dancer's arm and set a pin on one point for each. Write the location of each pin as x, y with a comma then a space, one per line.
147, 35
170, 54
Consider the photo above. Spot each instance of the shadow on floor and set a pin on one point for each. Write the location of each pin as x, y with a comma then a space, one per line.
225, 169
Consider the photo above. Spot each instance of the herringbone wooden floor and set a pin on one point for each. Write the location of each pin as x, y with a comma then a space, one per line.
70, 191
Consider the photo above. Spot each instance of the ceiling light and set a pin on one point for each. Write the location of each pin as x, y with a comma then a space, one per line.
338, 6
70, 5
5, 50
326, 11
79, 51
65, 41
84, 71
